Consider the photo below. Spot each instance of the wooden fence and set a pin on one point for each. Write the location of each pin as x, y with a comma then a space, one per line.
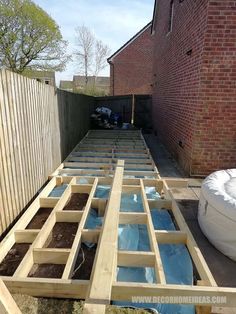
118, 104
39, 126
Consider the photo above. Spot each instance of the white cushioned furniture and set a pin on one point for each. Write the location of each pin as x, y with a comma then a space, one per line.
217, 210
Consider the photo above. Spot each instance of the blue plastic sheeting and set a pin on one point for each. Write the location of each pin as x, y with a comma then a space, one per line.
136, 274
58, 190
133, 238
151, 193
131, 203
93, 220
177, 264
161, 220
175, 258
102, 191
82, 181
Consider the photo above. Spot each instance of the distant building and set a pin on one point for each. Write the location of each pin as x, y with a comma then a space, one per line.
67, 85
99, 85
47, 77
131, 65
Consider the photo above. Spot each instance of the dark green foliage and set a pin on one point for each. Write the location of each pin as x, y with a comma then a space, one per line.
29, 38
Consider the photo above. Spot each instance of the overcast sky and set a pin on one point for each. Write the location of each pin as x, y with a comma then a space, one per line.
114, 22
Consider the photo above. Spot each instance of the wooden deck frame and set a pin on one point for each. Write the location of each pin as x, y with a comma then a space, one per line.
98, 153
97, 294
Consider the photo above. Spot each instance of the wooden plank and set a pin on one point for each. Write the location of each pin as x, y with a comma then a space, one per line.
132, 218
50, 256
7, 303
105, 261
68, 216
107, 160
176, 182
160, 204
125, 291
27, 262
136, 259
91, 236
173, 237
159, 271
49, 288
26, 236
76, 245
9, 240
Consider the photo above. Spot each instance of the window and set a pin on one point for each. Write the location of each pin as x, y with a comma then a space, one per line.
171, 15
47, 82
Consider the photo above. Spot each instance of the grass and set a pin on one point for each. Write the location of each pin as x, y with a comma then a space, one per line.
31, 305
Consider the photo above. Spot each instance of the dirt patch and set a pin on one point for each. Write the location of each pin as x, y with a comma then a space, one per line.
77, 201
13, 259
84, 271
39, 218
62, 235
46, 271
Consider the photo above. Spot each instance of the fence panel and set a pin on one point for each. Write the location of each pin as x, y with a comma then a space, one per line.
118, 104
143, 111
39, 126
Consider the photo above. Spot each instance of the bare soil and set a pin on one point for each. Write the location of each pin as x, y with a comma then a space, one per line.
13, 259
39, 218
62, 235
77, 201
46, 271
85, 270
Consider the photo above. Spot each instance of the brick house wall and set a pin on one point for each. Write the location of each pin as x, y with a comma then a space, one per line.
131, 66
194, 89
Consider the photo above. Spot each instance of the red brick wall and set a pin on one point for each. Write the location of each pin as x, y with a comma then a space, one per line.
194, 83
131, 69
215, 139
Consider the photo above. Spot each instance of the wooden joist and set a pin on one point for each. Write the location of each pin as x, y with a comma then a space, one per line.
102, 287
97, 155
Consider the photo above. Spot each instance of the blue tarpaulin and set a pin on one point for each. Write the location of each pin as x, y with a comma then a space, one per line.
58, 190
176, 260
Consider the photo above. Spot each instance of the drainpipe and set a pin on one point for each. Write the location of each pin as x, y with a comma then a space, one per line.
113, 76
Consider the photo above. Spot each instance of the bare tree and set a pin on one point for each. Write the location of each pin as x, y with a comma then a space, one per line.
102, 51
84, 53
91, 54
